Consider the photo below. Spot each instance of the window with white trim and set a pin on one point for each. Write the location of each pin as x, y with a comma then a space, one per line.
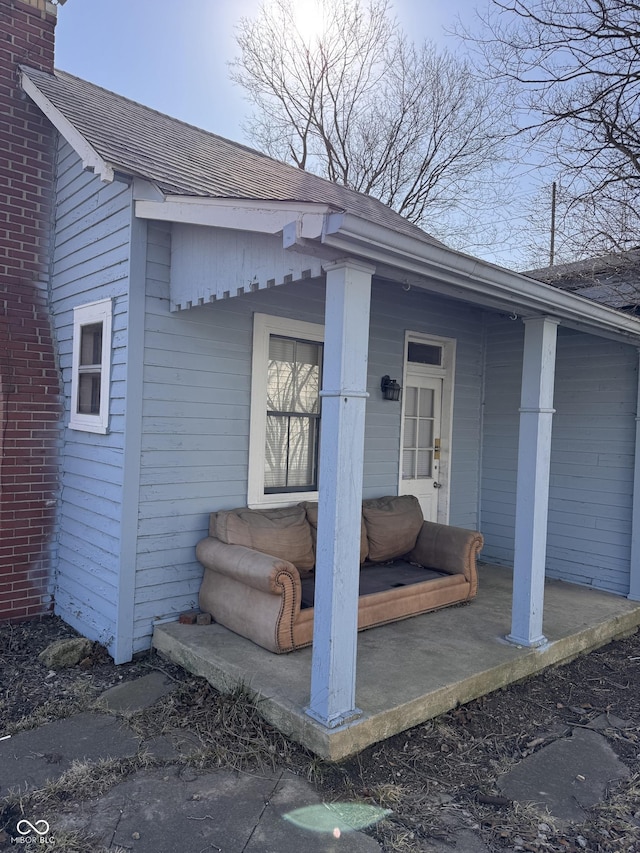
91, 367
285, 411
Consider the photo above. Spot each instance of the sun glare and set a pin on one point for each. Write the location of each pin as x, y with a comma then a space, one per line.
309, 19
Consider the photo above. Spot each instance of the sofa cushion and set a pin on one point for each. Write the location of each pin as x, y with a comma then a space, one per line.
311, 508
393, 524
282, 532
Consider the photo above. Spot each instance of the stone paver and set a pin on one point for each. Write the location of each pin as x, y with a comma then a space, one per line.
32, 758
179, 807
138, 694
567, 777
157, 810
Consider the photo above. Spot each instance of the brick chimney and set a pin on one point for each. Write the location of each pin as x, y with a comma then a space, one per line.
29, 383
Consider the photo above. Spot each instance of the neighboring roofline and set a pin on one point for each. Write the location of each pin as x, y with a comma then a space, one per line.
83, 148
589, 268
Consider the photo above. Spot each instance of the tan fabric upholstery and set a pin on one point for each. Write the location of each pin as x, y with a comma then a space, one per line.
282, 532
311, 508
393, 524
248, 582
449, 549
258, 595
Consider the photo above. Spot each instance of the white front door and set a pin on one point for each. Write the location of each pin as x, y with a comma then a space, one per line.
421, 440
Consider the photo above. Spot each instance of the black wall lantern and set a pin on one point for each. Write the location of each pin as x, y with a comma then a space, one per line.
390, 388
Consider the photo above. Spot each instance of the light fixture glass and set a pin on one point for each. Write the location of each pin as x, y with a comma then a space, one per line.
390, 388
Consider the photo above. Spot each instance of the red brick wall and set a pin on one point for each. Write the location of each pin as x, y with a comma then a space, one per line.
29, 386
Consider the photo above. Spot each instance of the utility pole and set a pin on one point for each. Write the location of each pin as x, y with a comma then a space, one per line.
552, 247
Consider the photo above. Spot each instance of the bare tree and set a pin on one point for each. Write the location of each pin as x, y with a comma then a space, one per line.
574, 66
359, 104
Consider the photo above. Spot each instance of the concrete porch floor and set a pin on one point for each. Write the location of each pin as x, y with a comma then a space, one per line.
409, 671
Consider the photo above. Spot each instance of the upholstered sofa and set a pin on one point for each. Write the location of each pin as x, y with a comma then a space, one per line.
259, 568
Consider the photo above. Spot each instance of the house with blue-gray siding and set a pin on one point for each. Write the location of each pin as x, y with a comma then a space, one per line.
182, 262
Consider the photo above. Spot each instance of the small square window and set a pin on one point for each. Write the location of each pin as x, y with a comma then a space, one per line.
91, 367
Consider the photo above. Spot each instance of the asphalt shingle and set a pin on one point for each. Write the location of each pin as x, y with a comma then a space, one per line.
612, 280
185, 160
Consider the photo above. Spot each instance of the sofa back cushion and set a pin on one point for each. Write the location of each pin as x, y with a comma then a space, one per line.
282, 532
393, 524
311, 508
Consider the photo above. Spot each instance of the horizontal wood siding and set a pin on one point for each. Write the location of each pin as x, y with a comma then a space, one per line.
592, 456
91, 260
503, 375
195, 443
395, 311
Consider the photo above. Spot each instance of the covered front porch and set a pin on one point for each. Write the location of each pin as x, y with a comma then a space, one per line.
409, 671
367, 295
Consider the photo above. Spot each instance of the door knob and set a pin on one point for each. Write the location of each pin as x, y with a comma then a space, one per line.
437, 485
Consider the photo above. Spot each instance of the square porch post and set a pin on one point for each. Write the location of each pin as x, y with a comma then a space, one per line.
532, 490
634, 581
346, 346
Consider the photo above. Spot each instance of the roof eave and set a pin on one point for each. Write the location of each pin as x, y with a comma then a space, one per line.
476, 279
91, 159
257, 215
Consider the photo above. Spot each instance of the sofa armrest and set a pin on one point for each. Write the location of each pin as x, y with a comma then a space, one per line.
448, 549
252, 568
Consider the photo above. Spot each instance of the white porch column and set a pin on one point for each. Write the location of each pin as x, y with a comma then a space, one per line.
333, 672
532, 492
634, 582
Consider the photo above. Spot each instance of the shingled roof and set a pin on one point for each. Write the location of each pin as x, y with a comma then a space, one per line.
181, 159
612, 280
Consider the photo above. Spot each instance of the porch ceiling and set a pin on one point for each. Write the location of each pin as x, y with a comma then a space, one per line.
244, 245
409, 671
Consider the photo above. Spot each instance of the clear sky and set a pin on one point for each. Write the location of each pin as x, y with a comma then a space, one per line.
172, 55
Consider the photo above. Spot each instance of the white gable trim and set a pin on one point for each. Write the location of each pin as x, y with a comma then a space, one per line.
208, 264
89, 156
238, 214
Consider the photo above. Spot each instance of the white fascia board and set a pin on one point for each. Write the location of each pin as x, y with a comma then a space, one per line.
87, 153
468, 275
238, 214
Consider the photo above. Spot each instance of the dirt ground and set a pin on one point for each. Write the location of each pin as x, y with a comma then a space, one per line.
435, 778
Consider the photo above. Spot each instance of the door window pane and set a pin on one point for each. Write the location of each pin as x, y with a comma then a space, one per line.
408, 465
425, 409
424, 467
410, 432
411, 401
419, 433
425, 433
